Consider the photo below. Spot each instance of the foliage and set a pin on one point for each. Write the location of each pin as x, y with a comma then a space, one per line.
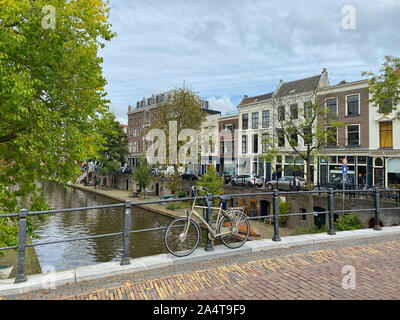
212, 181
348, 222
114, 149
142, 175
52, 99
384, 88
284, 208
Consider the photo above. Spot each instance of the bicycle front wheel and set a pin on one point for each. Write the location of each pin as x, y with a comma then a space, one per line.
235, 229
182, 237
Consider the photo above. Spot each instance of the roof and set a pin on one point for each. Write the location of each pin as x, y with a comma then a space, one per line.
247, 100
209, 111
298, 86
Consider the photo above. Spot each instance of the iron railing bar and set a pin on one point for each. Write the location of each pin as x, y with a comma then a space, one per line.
8, 248
76, 209
8, 215
76, 239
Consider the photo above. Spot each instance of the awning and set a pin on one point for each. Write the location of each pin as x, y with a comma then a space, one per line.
394, 165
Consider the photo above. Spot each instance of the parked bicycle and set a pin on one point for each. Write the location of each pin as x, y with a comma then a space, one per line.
231, 226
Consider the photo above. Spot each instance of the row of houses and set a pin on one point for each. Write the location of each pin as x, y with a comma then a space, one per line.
368, 138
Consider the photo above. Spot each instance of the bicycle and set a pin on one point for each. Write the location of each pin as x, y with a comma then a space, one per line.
231, 226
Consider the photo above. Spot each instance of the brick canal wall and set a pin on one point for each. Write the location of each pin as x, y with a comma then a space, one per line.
262, 205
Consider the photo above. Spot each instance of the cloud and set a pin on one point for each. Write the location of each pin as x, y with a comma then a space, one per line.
229, 48
222, 104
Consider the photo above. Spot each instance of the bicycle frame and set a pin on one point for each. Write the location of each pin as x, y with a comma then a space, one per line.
212, 231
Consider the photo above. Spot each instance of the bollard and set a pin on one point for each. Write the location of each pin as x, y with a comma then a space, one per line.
210, 243
331, 199
377, 209
21, 246
127, 228
276, 216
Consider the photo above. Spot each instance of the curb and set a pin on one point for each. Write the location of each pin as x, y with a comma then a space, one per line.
103, 270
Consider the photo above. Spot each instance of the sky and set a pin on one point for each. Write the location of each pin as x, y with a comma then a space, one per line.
226, 49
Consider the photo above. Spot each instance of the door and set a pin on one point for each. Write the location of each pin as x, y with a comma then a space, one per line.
378, 176
157, 189
264, 208
253, 208
323, 174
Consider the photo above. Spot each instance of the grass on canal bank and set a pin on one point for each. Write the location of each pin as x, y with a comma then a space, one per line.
10, 258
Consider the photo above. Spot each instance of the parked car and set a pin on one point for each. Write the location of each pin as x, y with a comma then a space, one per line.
189, 175
226, 177
247, 180
287, 183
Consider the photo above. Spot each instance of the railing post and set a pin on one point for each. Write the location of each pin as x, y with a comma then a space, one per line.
377, 209
276, 216
331, 202
210, 243
21, 246
127, 228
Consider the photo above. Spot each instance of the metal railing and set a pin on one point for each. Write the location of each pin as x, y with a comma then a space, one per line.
23, 214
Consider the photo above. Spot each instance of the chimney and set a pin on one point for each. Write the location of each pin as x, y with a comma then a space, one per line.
245, 96
324, 70
129, 108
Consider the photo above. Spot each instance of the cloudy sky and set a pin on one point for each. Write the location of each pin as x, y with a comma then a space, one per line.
229, 48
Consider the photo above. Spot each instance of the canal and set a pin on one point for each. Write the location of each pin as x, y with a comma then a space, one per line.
74, 254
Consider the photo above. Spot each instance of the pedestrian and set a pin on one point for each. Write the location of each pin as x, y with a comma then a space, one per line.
274, 175
95, 182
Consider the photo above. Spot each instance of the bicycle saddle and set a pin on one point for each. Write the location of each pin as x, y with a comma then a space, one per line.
224, 198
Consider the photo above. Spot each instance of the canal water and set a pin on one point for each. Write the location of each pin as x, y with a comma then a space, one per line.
74, 254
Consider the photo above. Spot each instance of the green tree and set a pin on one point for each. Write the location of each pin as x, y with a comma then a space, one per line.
384, 88
52, 98
114, 149
182, 107
311, 123
212, 181
141, 175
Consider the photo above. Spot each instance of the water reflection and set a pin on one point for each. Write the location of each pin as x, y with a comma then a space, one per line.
92, 222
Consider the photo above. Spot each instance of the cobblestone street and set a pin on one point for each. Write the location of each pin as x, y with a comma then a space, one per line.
306, 272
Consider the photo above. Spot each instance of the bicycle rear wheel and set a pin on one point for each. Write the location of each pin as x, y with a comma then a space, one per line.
177, 242
237, 228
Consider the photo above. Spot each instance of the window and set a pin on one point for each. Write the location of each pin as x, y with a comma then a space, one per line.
265, 119
331, 106
227, 147
352, 105
244, 144
130, 132
255, 143
281, 113
134, 132
134, 146
294, 113
353, 135
281, 137
264, 142
386, 106
245, 121
254, 120
385, 135
308, 109
331, 137
228, 127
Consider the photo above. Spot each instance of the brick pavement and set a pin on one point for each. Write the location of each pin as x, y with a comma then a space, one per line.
302, 273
